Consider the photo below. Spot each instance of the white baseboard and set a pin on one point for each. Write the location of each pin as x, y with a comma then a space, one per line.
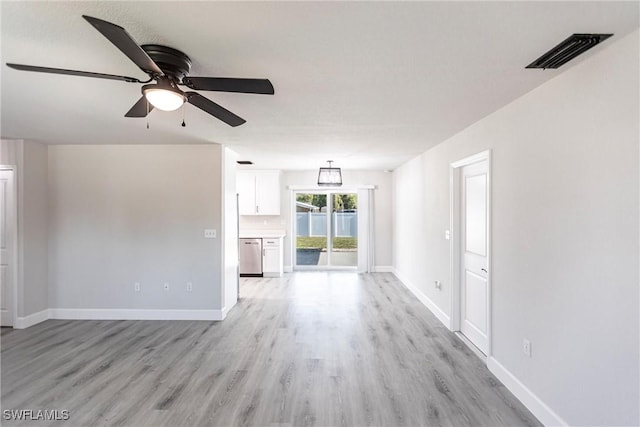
133, 314
226, 310
32, 319
533, 403
118, 314
441, 315
376, 269
271, 274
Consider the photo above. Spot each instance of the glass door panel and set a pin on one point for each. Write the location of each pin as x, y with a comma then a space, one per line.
343, 250
311, 229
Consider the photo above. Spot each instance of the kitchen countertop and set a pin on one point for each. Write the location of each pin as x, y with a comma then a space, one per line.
262, 234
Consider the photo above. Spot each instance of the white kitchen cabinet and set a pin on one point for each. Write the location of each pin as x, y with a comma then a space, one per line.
272, 257
246, 187
259, 192
268, 193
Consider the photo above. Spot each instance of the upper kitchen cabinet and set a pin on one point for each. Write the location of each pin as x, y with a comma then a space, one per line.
259, 192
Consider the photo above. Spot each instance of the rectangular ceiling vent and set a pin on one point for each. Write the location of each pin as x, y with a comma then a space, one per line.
573, 46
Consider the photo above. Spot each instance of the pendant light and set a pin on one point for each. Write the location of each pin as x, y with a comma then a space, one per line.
330, 177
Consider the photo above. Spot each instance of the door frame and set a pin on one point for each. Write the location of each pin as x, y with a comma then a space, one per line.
12, 223
455, 193
294, 227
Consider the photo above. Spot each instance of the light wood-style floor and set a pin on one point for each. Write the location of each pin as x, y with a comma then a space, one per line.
311, 348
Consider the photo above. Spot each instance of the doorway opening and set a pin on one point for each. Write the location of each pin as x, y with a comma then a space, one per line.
326, 230
8, 246
471, 250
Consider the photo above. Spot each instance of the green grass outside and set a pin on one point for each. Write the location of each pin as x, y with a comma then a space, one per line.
321, 243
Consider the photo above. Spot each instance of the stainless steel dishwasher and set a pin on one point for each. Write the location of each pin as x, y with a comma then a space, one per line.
251, 257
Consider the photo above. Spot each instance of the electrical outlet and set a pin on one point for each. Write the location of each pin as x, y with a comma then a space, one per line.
189, 287
210, 233
166, 286
526, 347
136, 286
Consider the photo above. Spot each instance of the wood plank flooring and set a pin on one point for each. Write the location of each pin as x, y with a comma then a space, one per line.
311, 348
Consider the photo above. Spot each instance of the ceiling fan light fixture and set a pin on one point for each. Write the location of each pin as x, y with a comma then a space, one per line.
330, 177
163, 98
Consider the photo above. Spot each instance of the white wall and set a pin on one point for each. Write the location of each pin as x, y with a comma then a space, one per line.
10, 151
351, 179
565, 235
33, 228
124, 214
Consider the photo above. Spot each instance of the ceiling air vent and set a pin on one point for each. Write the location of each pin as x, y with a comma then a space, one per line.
573, 46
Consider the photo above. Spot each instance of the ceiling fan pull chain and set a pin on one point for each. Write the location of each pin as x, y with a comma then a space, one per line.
147, 113
183, 123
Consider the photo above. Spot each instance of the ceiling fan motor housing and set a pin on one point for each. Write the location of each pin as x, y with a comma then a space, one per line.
172, 62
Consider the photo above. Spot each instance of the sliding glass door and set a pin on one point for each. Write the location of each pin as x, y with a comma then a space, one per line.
326, 229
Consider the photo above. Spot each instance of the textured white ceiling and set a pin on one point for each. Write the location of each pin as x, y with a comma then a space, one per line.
366, 84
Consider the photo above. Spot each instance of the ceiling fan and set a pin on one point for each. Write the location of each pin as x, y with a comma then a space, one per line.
169, 68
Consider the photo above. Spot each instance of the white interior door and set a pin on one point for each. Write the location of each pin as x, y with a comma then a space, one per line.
474, 289
7, 230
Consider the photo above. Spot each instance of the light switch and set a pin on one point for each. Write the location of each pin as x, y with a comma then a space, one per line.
209, 233
447, 234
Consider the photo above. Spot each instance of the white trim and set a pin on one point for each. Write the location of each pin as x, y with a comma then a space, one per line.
346, 189
454, 247
383, 269
288, 269
133, 314
471, 346
437, 311
225, 311
328, 191
483, 155
542, 412
118, 314
32, 319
